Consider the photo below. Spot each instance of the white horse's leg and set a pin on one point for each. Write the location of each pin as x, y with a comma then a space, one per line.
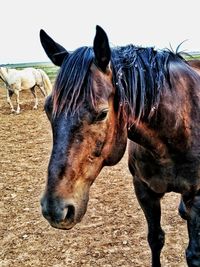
35, 96
42, 90
9, 95
18, 102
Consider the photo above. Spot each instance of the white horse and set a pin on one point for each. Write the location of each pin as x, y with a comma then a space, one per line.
28, 78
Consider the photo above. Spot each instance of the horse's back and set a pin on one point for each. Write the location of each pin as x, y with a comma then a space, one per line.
29, 77
38, 73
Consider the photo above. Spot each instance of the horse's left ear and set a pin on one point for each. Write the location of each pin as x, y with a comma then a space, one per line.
101, 48
54, 51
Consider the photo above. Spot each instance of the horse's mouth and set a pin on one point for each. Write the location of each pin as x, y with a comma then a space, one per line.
62, 225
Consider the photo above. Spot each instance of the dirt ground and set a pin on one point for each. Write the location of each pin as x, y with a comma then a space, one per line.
113, 231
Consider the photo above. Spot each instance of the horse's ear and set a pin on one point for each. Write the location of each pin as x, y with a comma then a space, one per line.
54, 51
101, 48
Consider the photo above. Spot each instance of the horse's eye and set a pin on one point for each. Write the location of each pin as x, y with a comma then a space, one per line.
102, 115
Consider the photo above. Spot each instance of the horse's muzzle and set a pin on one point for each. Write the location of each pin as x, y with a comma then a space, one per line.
59, 213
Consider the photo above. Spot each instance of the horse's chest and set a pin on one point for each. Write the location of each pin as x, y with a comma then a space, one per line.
154, 175
165, 175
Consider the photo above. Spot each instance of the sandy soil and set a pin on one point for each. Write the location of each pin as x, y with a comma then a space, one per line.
113, 231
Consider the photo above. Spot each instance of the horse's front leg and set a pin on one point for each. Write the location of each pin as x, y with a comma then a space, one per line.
150, 203
192, 211
18, 102
35, 96
9, 95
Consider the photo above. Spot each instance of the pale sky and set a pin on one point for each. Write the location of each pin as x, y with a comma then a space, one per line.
72, 24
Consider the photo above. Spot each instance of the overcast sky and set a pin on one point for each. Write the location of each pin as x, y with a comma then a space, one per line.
72, 24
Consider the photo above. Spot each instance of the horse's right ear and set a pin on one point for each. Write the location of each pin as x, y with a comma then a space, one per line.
101, 48
54, 51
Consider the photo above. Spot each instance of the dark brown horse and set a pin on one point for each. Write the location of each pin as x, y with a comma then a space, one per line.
195, 63
104, 97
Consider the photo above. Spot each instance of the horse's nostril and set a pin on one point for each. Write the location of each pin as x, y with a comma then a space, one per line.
57, 211
69, 213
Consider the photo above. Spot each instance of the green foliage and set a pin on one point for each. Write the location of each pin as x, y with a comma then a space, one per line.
192, 56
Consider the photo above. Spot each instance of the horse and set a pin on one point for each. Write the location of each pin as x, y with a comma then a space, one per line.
28, 78
107, 98
195, 63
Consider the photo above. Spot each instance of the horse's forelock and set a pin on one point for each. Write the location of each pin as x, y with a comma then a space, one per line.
68, 93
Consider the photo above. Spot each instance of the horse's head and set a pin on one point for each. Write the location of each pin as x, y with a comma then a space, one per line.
88, 125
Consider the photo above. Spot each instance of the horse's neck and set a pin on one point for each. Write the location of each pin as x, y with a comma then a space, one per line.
146, 137
4, 73
170, 127
197, 69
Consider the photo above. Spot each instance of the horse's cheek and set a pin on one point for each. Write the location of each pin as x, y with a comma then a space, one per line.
115, 147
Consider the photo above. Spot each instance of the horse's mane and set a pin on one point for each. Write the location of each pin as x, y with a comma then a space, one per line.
139, 75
